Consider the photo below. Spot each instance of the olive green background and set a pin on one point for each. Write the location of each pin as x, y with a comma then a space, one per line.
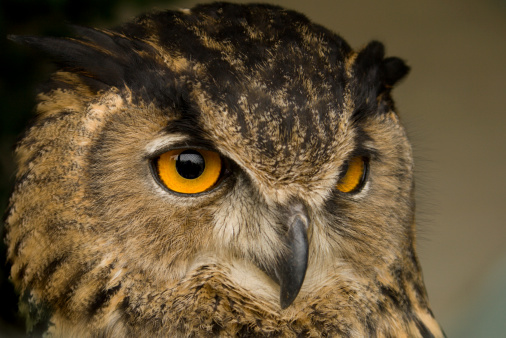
452, 104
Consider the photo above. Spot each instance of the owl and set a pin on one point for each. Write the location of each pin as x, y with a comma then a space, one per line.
226, 170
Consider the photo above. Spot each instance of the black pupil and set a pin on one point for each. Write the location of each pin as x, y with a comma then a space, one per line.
190, 164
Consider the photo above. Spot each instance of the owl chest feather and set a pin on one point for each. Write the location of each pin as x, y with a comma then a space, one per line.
208, 303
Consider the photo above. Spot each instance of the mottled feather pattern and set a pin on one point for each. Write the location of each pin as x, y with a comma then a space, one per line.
99, 244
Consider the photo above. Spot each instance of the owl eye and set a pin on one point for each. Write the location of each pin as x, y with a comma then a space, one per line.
189, 171
355, 173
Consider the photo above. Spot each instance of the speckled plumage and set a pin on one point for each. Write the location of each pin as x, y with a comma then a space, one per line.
98, 247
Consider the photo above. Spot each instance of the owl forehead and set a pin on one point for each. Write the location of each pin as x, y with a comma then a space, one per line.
274, 132
258, 55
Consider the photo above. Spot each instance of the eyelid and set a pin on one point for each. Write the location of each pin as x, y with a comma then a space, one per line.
163, 144
166, 143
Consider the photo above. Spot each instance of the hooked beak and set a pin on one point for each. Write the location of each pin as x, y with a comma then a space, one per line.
292, 264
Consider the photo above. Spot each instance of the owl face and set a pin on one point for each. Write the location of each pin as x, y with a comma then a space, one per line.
230, 169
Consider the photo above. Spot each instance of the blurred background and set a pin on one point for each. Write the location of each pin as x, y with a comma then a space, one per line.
452, 104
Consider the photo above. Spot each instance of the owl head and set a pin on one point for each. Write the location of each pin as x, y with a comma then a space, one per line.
230, 170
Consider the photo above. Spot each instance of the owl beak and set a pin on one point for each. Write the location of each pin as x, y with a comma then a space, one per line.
291, 269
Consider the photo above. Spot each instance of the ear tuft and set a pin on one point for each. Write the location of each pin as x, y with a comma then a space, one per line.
79, 56
374, 78
103, 57
392, 70
370, 56
375, 73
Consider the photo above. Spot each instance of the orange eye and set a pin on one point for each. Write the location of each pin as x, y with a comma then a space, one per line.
189, 171
354, 176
